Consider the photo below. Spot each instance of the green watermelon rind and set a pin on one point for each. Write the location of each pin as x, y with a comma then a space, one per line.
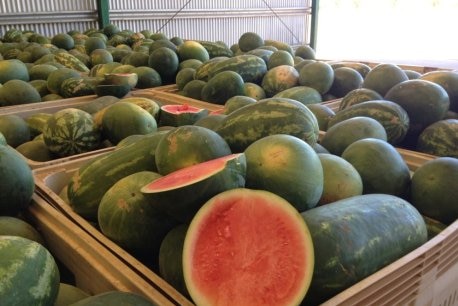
30, 275
440, 139
371, 240
266, 117
250, 67
88, 185
71, 131
391, 115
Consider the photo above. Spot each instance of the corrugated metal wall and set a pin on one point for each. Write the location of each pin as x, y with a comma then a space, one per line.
284, 20
47, 17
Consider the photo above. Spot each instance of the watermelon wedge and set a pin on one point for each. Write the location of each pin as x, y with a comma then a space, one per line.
180, 114
247, 247
181, 193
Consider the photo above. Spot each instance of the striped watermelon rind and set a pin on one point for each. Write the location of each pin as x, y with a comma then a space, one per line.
29, 273
71, 131
391, 115
440, 139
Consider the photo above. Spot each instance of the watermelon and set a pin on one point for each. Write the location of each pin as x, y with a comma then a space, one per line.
449, 81
30, 275
345, 80
262, 53
35, 150
304, 94
362, 68
247, 247
77, 87
37, 122
358, 95
203, 70
279, 78
13, 226
17, 185
188, 145
177, 115
440, 138
71, 131
69, 294
381, 166
123, 119
14, 129
383, 77
322, 113
70, 61
287, 166
280, 57
318, 75
170, 258
89, 183
216, 49
124, 207
424, 101
237, 102
433, 191
266, 117
342, 134
223, 86
341, 179
191, 49
391, 115
371, 240
210, 122
2, 140
182, 192
249, 41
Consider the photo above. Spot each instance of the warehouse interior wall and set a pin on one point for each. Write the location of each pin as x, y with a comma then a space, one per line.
283, 20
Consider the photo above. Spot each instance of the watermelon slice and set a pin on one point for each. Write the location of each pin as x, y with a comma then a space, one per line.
180, 114
181, 193
247, 247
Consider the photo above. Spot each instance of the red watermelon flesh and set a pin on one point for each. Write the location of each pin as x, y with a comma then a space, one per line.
180, 108
189, 175
247, 247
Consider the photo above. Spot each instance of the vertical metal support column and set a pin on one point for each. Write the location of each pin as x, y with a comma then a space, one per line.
314, 23
103, 12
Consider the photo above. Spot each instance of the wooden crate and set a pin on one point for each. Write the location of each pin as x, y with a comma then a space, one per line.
429, 273
51, 180
26, 110
95, 268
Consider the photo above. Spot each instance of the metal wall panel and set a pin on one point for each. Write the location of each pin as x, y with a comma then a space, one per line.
284, 20
205, 4
47, 17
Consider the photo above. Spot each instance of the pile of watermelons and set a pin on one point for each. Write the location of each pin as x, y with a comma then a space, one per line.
249, 206
30, 274
112, 61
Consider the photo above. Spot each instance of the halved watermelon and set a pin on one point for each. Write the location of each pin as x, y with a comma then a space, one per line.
181, 193
247, 247
180, 114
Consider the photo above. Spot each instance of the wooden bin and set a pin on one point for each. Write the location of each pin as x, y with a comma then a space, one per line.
427, 274
26, 110
95, 268
51, 180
